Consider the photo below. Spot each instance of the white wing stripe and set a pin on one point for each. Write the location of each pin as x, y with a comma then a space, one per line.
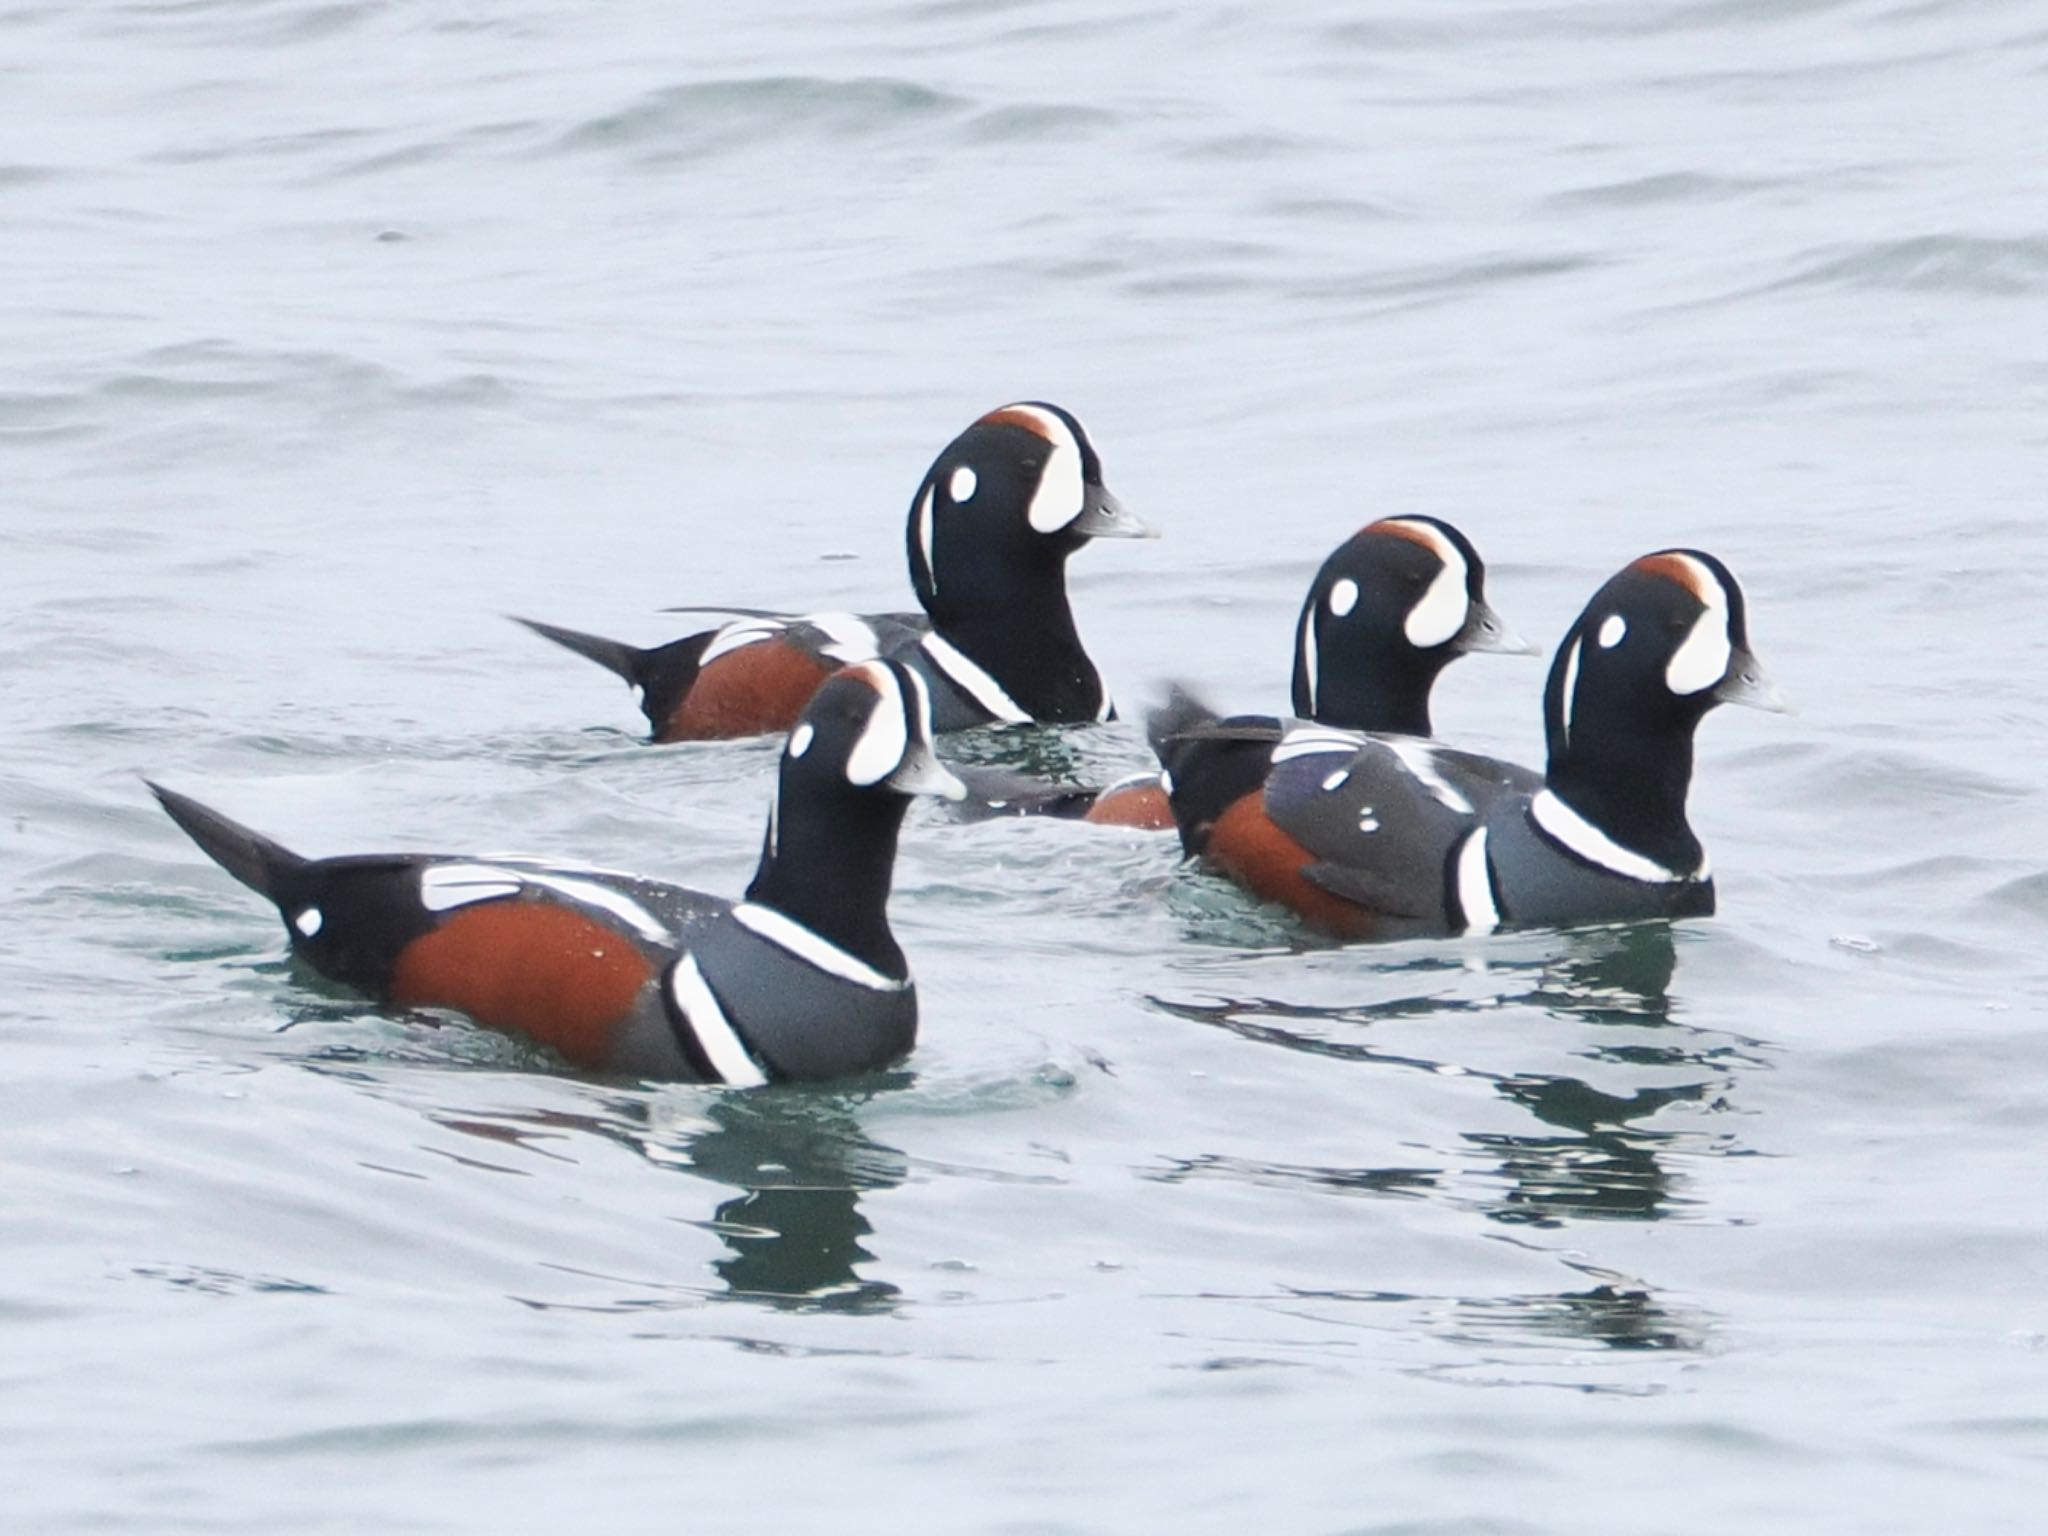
721, 1043
1475, 888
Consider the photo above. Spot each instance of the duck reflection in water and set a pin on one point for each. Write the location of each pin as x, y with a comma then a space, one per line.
1605, 1165
800, 1164
797, 1158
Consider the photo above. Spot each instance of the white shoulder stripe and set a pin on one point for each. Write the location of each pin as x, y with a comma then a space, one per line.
974, 682
1475, 886
1419, 758
1315, 741
605, 899
794, 938
852, 638
723, 1048
741, 632
1569, 828
443, 887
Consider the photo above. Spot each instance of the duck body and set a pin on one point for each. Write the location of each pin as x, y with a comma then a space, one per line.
1387, 611
990, 530
800, 980
1383, 836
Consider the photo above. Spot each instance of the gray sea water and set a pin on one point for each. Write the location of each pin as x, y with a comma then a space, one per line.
333, 331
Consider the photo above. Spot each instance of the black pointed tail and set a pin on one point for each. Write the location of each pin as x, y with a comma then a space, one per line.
1182, 712
627, 661
250, 857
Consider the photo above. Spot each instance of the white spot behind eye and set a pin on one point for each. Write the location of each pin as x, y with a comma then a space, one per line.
800, 739
1443, 609
1613, 631
1343, 596
961, 486
308, 922
885, 738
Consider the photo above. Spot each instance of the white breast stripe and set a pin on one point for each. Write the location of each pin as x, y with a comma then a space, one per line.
443, 887
974, 682
1420, 761
1579, 835
787, 934
740, 632
853, 638
723, 1048
1314, 741
1475, 887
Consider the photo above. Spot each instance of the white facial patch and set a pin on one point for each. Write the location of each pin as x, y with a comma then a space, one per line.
1057, 501
309, 921
800, 739
1343, 597
1702, 660
1442, 610
883, 741
1613, 632
961, 486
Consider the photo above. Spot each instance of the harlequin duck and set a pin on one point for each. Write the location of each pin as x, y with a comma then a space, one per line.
1391, 607
990, 530
801, 979
1380, 837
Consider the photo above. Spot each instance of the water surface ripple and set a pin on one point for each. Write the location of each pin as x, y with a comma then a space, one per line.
338, 329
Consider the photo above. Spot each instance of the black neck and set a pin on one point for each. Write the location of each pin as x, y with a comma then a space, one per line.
1014, 622
827, 862
1393, 699
1627, 770
1366, 679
